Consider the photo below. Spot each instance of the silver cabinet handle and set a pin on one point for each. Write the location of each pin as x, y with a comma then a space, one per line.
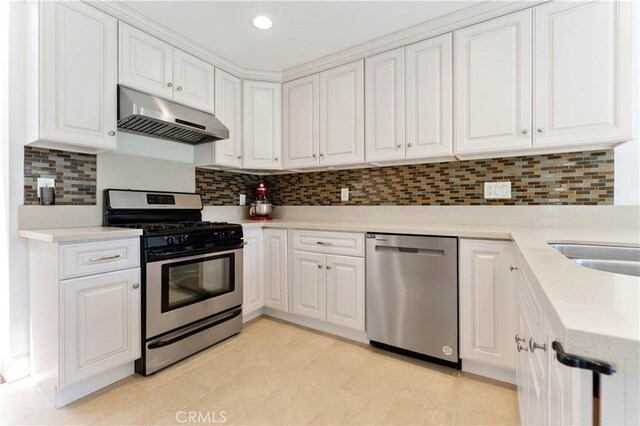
322, 243
321, 155
319, 266
179, 88
136, 285
525, 131
398, 146
409, 145
519, 339
239, 157
313, 155
328, 267
275, 159
169, 84
540, 129
533, 345
244, 243
522, 348
513, 268
97, 259
112, 133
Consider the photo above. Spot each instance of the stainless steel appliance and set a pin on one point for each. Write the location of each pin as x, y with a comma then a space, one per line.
412, 295
191, 269
146, 114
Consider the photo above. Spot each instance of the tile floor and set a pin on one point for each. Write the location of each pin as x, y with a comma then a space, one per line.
278, 373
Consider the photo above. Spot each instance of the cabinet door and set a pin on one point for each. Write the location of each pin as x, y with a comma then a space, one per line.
275, 268
78, 75
146, 63
228, 96
384, 95
309, 287
194, 81
342, 115
493, 85
429, 98
262, 136
301, 136
345, 291
583, 72
252, 271
100, 324
488, 302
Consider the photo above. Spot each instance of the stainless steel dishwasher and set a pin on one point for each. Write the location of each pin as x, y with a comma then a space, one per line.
412, 295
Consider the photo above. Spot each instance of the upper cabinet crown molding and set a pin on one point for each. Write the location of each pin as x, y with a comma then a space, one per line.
573, 106
384, 111
262, 125
493, 85
71, 81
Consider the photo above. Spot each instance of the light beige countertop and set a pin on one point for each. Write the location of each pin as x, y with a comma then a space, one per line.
79, 234
599, 312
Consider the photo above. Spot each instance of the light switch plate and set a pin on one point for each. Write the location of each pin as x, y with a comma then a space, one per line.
344, 194
46, 183
243, 199
495, 190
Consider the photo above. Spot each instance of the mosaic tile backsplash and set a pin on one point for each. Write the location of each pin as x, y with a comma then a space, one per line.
575, 178
75, 175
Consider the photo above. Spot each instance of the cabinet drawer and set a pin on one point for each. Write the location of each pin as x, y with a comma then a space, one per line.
77, 260
344, 243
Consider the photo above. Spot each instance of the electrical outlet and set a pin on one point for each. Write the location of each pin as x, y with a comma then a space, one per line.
46, 183
344, 194
494, 190
243, 199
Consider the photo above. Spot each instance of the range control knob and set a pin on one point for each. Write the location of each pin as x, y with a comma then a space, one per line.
171, 240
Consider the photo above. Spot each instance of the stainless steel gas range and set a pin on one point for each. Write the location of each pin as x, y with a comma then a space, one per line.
191, 269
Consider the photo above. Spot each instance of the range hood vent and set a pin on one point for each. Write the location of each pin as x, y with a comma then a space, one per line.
148, 115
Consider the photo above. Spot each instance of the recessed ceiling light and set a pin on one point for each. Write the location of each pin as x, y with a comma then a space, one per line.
262, 22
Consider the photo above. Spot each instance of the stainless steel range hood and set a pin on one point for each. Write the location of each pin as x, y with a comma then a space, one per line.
152, 116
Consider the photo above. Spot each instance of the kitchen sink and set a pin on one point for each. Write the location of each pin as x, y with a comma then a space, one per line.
616, 259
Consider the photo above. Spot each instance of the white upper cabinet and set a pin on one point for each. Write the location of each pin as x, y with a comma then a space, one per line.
262, 125
146, 63
488, 314
429, 94
275, 269
342, 115
301, 136
155, 67
493, 85
194, 81
71, 87
583, 72
384, 112
228, 107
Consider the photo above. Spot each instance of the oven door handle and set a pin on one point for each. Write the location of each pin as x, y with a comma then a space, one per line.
201, 255
171, 341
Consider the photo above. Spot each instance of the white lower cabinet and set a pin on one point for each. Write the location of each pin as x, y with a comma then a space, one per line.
101, 323
345, 291
252, 271
275, 269
329, 288
487, 302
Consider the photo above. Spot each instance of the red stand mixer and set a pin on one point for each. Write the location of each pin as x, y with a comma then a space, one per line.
261, 208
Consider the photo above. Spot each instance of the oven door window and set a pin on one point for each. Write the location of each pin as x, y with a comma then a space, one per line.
192, 281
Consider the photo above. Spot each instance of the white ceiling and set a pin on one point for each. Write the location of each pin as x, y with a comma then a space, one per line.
302, 30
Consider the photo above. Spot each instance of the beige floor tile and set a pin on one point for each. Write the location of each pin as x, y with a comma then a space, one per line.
278, 373
344, 408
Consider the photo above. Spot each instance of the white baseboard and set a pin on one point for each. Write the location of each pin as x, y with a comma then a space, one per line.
15, 368
501, 374
249, 316
358, 336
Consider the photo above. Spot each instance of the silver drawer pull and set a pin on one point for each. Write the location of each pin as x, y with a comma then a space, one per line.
513, 268
97, 259
322, 243
522, 348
